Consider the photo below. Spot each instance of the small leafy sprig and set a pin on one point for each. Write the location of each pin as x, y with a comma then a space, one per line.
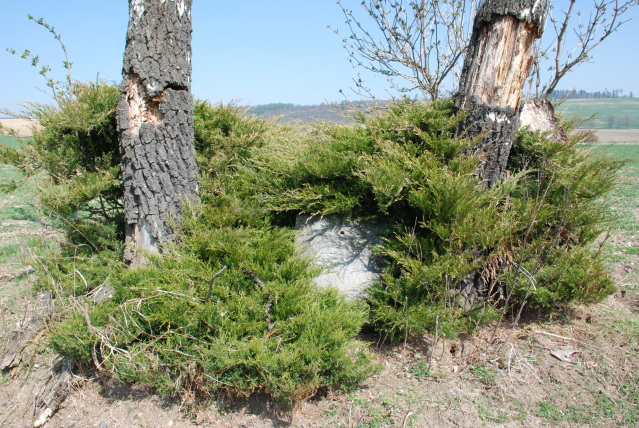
58, 88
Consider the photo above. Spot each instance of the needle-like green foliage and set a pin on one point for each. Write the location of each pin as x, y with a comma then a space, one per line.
186, 324
258, 326
74, 152
527, 239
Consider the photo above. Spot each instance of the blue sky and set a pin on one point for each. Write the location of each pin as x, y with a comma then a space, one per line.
254, 51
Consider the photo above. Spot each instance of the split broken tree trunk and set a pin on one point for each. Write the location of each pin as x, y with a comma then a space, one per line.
155, 123
497, 64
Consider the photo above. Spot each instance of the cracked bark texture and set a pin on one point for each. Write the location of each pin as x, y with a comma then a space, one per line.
155, 124
497, 64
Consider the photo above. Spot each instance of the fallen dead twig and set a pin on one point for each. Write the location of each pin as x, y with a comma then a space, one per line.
557, 336
32, 324
406, 419
269, 304
532, 285
432, 349
259, 282
586, 344
208, 296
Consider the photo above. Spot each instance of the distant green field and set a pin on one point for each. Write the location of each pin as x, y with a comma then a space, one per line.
9, 141
610, 113
623, 199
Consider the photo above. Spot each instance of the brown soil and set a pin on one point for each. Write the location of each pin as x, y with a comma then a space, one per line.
493, 378
617, 135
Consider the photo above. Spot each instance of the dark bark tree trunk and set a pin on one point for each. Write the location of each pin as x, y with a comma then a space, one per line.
495, 69
155, 122
497, 64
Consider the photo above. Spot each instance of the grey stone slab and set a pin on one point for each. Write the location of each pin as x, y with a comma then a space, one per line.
343, 249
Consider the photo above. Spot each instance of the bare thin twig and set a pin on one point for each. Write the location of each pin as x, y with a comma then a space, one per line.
604, 17
208, 296
257, 280
414, 44
406, 419
269, 304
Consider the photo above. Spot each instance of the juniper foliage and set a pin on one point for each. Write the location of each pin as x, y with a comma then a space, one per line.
404, 168
259, 326
75, 157
183, 324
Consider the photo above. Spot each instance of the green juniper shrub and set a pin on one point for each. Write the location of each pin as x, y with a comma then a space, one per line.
314, 171
74, 161
225, 140
173, 327
261, 326
169, 328
75, 154
405, 168
183, 323
225, 135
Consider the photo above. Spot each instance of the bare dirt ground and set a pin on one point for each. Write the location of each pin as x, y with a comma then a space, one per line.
569, 370
530, 375
578, 367
617, 135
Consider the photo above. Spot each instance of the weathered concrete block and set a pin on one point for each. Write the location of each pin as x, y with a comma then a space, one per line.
343, 249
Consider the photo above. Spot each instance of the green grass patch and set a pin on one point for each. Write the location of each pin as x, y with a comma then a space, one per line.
620, 410
549, 412
629, 328
10, 253
629, 153
9, 173
610, 113
623, 198
5, 140
629, 405
421, 369
22, 212
486, 374
487, 414
16, 195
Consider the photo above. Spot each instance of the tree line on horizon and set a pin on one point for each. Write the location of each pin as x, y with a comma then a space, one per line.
582, 94
266, 108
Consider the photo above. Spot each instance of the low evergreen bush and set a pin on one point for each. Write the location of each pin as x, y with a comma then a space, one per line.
261, 326
268, 331
187, 324
527, 239
75, 154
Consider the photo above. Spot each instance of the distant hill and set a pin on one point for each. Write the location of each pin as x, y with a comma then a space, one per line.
336, 113
293, 112
580, 93
610, 113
